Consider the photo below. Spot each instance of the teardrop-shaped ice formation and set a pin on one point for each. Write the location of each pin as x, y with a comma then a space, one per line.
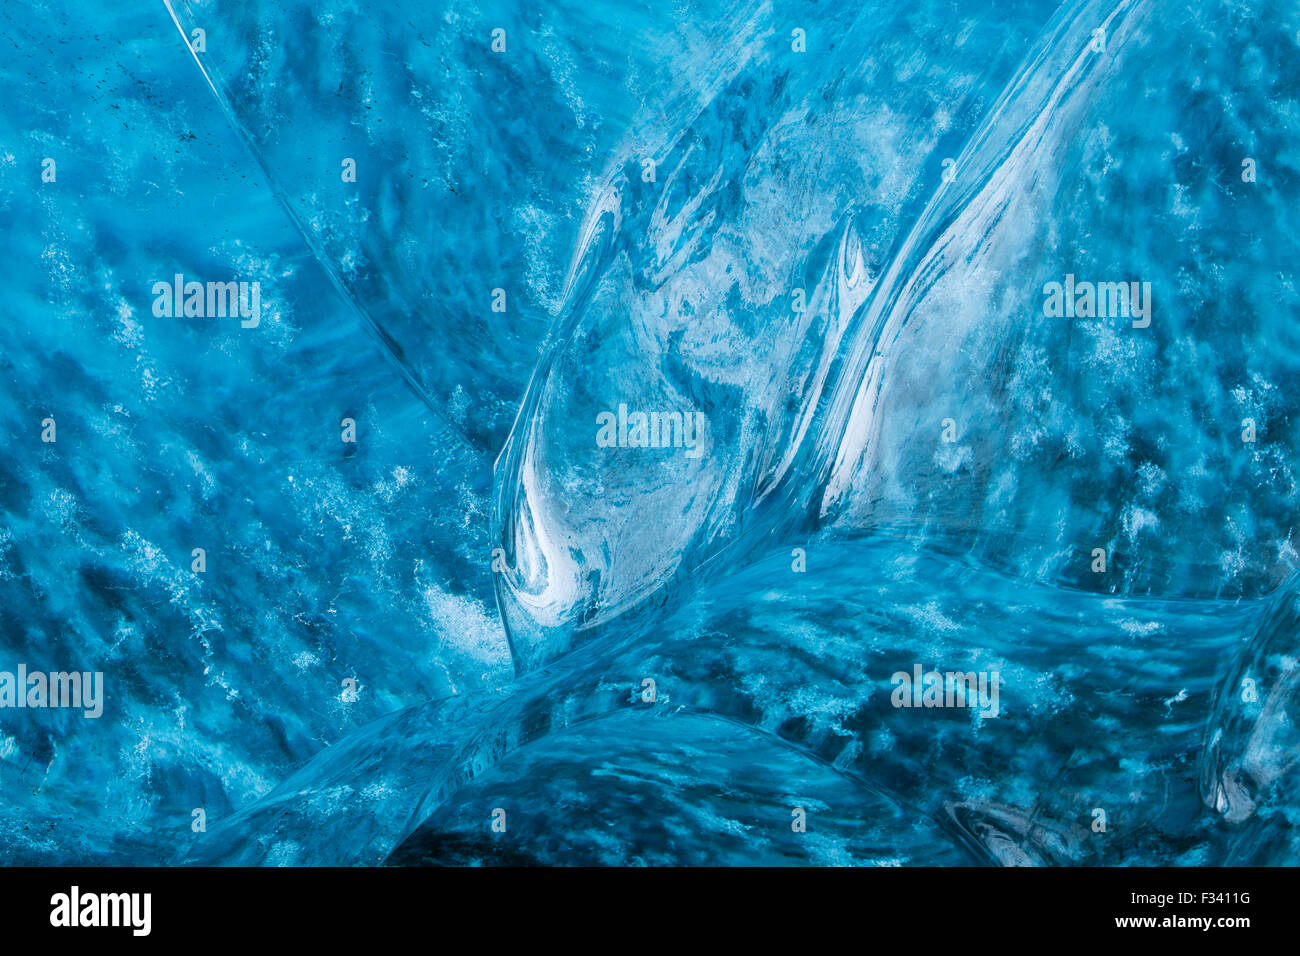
865, 363
749, 290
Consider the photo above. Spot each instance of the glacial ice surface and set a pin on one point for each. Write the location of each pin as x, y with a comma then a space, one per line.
839, 260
